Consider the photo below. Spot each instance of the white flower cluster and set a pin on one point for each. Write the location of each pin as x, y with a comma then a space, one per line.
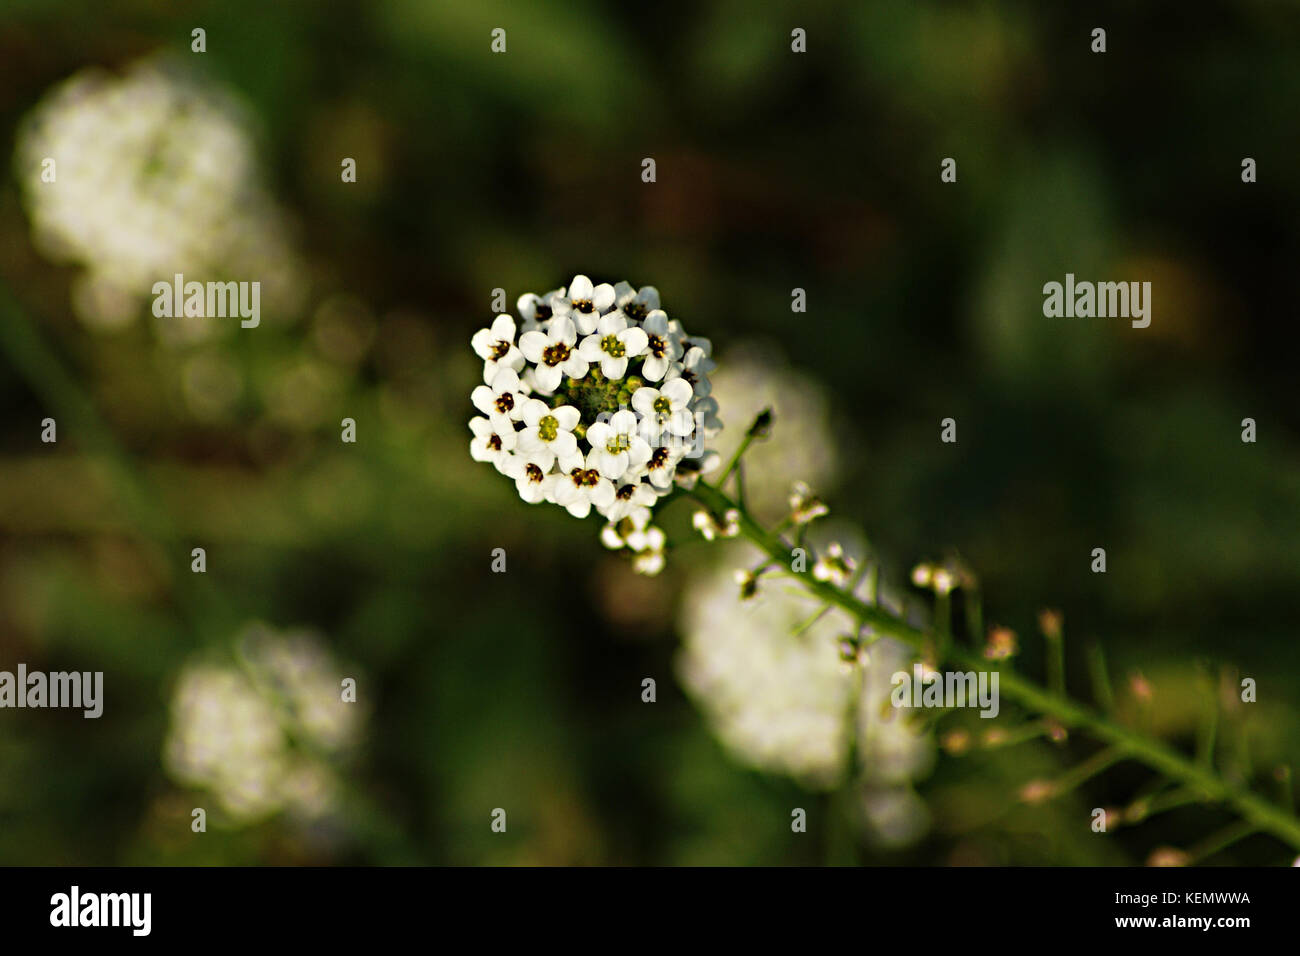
768, 671
596, 399
143, 175
261, 734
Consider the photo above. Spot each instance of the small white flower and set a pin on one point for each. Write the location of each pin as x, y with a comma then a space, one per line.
496, 346
706, 413
694, 368
663, 465
636, 305
493, 440
648, 543
548, 432
585, 303
667, 408
531, 479
554, 353
616, 447
805, 507
662, 347
834, 566
708, 526
613, 344
694, 342
535, 310
632, 499
504, 397
579, 486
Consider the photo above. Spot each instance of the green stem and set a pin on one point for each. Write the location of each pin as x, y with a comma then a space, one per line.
1154, 753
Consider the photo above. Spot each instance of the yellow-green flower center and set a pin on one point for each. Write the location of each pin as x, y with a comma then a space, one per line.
548, 427
612, 347
617, 443
662, 405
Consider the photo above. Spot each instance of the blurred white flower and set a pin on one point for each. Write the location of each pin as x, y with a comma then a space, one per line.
754, 378
261, 734
781, 701
155, 174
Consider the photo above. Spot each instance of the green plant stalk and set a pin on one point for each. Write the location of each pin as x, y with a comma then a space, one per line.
1133, 744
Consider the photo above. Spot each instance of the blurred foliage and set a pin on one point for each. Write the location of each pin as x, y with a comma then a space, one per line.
775, 171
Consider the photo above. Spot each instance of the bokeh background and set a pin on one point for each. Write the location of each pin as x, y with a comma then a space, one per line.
477, 171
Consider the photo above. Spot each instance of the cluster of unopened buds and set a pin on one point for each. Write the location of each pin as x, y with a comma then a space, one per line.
596, 400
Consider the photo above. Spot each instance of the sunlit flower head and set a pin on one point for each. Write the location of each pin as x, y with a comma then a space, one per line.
596, 401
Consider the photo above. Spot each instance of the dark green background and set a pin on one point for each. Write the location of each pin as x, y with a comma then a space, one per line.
775, 170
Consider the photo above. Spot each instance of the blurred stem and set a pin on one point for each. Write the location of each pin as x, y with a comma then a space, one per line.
199, 602
1133, 744
1217, 842
1056, 662
73, 409
1100, 679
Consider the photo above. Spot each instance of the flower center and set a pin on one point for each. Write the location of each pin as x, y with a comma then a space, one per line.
548, 428
617, 443
555, 354
659, 458
494, 442
500, 350
625, 493
542, 313
582, 305
634, 310
533, 473
657, 346
584, 478
505, 402
612, 347
662, 405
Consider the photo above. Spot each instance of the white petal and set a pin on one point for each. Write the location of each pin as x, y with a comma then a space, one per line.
579, 507
653, 369
567, 416
580, 288
603, 494
482, 343
611, 324
602, 297
643, 400
634, 340
503, 328
483, 396
563, 330
576, 366
564, 444
613, 368
532, 344
678, 391
548, 378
